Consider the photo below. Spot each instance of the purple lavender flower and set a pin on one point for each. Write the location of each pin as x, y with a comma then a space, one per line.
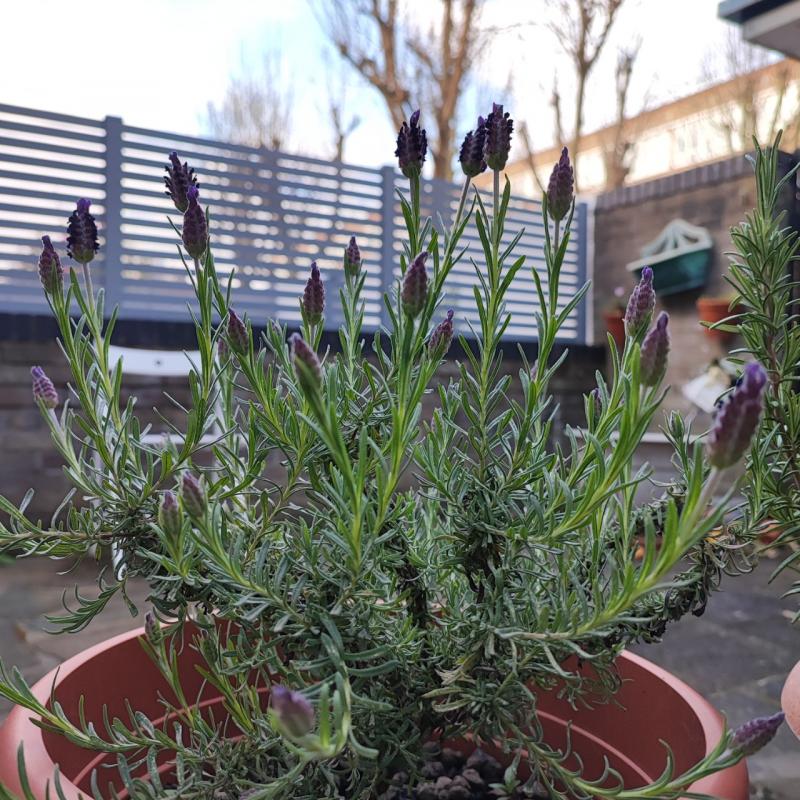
737, 419
498, 137
293, 711
82, 241
414, 292
178, 179
561, 188
655, 349
442, 336
195, 227
237, 334
757, 733
222, 348
152, 628
169, 515
194, 496
352, 258
306, 364
641, 304
412, 145
51, 273
471, 155
314, 296
43, 390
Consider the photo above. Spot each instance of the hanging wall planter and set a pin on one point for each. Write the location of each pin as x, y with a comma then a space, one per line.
680, 257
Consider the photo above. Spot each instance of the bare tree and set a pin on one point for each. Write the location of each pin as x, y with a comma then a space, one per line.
343, 122
749, 99
618, 146
581, 28
409, 67
256, 108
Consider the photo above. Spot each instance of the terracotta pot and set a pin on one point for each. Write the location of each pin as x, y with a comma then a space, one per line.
712, 310
615, 325
659, 706
790, 700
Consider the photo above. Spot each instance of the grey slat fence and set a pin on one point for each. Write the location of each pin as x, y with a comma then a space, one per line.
272, 213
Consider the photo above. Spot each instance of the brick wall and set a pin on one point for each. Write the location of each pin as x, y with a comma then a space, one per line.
27, 457
716, 197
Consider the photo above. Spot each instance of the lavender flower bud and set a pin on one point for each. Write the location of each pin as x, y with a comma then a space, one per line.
195, 227
169, 515
757, 733
314, 296
43, 390
178, 179
152, 628
498, 137
51, 273
194, 496
293, 711
471, 156
306, 364
737, 419
415, 286
237, 334
442, 335
655, 349
412, 145
82, 241
560, 190
641, 304
352, 258
222, 348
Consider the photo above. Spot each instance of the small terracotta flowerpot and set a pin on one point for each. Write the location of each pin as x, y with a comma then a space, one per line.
653, 706
790, 700
615, 325
713, 310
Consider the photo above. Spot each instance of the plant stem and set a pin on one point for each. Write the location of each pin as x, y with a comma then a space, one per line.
87, 279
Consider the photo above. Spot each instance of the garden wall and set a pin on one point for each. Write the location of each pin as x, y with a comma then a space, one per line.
27, 458
715, 196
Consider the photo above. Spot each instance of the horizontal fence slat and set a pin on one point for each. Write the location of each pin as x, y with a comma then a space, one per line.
271, 212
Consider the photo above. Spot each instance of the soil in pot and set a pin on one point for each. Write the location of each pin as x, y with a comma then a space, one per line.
452, 773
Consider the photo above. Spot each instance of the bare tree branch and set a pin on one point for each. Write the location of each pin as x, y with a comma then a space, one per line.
404, 64
748, 99
256, 108
581, 28
618, 147
524, 135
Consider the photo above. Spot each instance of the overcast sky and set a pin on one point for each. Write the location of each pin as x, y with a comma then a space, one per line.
157, 63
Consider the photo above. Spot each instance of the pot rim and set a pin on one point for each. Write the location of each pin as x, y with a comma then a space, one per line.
19, 727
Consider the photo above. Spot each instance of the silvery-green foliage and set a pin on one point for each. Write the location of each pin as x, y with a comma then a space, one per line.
763, 272
407, 574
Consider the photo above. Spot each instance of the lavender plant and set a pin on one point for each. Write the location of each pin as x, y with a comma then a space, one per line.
763, 273
408, 579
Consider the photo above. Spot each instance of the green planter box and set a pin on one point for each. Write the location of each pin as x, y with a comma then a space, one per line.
679, 273
680, 257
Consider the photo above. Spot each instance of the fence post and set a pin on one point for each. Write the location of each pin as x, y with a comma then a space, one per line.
113, 228
585, 317
387, 236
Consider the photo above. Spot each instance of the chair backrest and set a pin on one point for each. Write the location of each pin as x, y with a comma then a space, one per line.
153, 363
